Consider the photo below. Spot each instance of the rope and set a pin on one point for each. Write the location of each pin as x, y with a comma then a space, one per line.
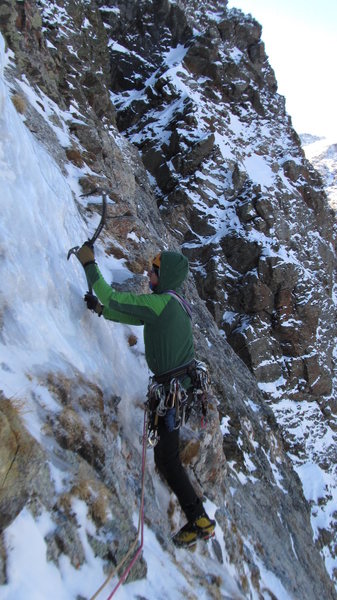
139, 530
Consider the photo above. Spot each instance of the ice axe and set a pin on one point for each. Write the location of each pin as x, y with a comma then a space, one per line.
93, 239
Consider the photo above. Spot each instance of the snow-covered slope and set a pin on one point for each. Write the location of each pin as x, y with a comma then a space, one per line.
322, 153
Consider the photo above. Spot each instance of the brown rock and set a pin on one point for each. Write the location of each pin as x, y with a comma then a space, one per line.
21, 459
75, 156
317, 376
241, 254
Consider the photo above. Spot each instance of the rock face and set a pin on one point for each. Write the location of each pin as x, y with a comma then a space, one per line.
173, 108
22, 464
186, 116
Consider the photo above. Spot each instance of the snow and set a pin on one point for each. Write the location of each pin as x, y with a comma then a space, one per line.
322, 153
313, 481
224, 425
118, 47
318, 146
223, 146
175, 55
32, 576
108, 9
259, 171
305, 424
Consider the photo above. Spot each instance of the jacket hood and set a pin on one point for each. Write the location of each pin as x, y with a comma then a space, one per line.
173, 271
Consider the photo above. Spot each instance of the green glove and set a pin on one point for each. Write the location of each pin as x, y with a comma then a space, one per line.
86, 254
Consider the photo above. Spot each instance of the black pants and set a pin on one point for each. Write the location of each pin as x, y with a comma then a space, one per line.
167, 459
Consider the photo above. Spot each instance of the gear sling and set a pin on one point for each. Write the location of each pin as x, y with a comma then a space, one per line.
168, 398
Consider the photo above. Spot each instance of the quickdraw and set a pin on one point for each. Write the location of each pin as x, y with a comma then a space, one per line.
171, 401
167, 403
200, 391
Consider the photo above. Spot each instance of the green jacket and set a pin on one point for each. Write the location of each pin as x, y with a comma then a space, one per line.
167, 327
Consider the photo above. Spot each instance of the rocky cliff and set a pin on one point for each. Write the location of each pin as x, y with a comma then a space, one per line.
172, 108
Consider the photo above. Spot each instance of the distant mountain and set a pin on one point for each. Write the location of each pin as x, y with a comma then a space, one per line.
308, 138
322, 153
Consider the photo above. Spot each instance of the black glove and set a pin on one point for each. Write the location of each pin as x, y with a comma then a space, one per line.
86, 254
93, 303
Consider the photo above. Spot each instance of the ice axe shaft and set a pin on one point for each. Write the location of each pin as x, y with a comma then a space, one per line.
93, 239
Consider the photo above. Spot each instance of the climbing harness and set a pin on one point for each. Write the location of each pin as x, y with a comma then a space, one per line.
139, 530
168, 398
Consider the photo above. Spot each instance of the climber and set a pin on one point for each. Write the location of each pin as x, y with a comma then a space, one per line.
168, 345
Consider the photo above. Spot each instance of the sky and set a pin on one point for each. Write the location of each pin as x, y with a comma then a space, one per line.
300, 37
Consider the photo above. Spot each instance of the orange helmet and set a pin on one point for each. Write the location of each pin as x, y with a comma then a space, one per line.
156, 261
